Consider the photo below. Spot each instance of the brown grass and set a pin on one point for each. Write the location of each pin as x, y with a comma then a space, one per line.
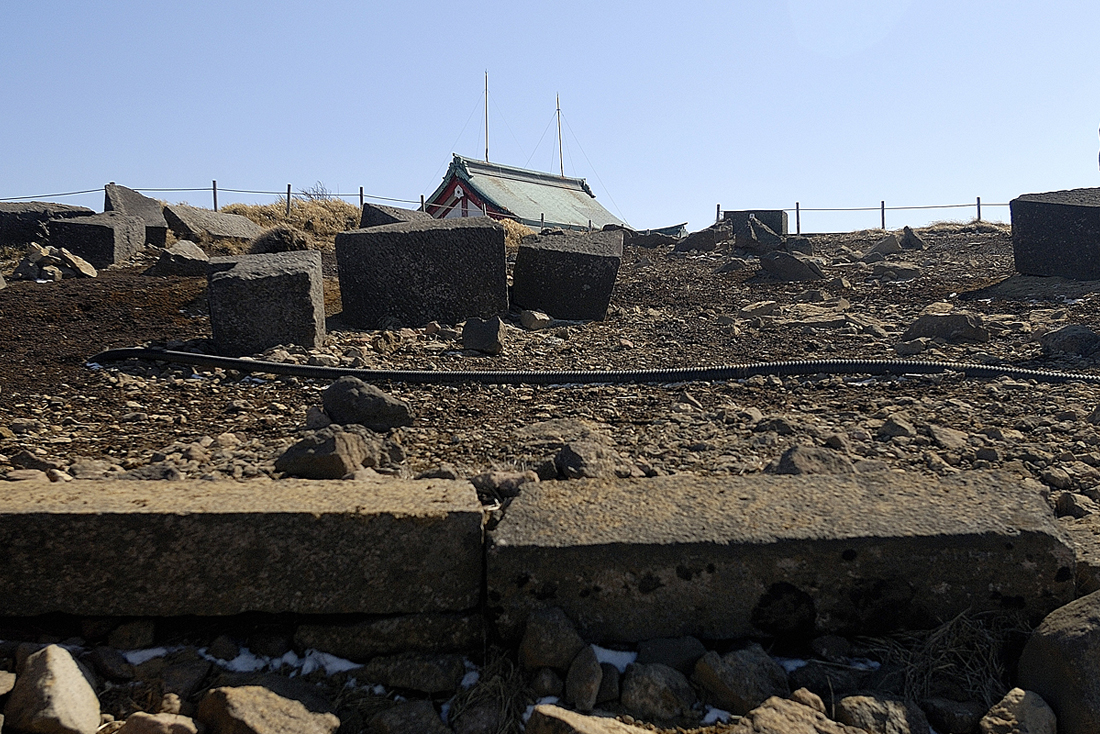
320, 219
514, 232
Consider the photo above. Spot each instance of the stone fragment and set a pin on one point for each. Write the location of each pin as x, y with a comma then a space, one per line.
582, 683
23, 222
549, 641
546, 682
568, 277
260, 301
1057, 233
135, 635
1061, 661
52, 696
206, 226
7, 682
784, 716
948, 439
957, 326
953, 717
184, 258
425, 672
912, 347
609, 684
163, 723
362, 641
411, 273
408, 716
502, 484
897, 425
877, 715
813, 460
112, 664
101, 239
677, 652
1071, 339
910, 240
656, 692
483, 335
705, 240
350, 400
150, 211
888, 245
758, 309
631, 559
256, 710
808, 698
534, 320
789, 267
1025, 712
329, 453
549, 719
741, 680
3, 283
378, 546
591, 459
24, 475
375, 215
733, 265
891, 271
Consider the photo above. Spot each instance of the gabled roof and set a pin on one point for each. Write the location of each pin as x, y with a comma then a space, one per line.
528, 196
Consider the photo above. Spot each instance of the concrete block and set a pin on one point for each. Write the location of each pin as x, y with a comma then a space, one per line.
23, 221
773, 219
568, 276
1057, 233
220, 547
259, 301
101, 239
203, 225
375, 215
410, 273
722, 558
127, 201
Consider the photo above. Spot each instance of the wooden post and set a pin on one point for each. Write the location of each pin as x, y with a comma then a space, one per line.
883, 214
718, 213
542, 219
979, 209
797, 219
589, 225
360, 197
288, 201
422, 207
214, 187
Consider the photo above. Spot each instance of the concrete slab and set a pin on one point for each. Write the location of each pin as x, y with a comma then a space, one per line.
410, 273
1057, 233
21, 222
214, 548
568, 276
375, 215
121, 199
101, 239
260, 301
204, 225
773, 219
721, 558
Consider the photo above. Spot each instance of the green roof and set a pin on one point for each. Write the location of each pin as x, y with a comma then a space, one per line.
529, 196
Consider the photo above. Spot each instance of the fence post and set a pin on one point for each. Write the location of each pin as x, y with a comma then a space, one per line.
883, 205
422, 207
214, 187
288, 200
797, 219
718, 213
979, 209
360, 197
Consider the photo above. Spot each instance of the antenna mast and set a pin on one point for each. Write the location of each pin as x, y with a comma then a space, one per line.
486, 115
561, 163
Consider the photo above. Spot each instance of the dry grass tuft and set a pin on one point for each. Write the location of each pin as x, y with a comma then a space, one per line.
514, 232
500, 684
963, 654
320, 219
971, 227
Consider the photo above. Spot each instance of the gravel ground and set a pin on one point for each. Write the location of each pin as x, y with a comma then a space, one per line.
669, 309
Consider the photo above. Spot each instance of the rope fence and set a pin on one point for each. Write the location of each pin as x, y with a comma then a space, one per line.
306, 195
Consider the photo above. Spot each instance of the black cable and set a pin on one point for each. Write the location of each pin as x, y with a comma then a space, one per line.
560, 377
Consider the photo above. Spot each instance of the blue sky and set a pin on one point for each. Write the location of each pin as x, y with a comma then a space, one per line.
669, 108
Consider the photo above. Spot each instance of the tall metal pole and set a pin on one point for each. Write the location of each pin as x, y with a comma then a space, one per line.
561, 161
486, 115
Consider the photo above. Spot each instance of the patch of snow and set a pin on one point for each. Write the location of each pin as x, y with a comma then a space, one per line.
470, 679
715, 716
315, 659
864, 664
245, 662
137, 657
791, 664
618, 658
544, 700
